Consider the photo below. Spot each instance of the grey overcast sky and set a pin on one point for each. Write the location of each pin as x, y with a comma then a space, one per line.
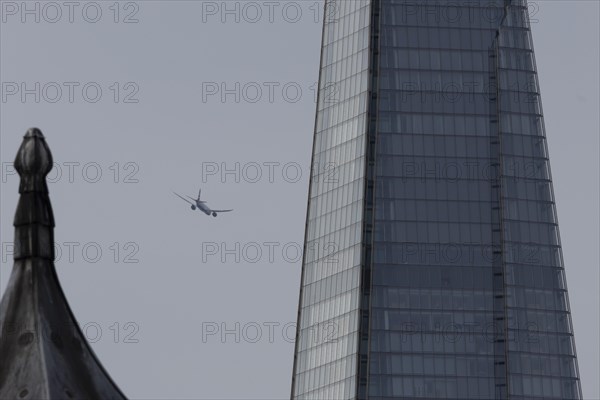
137, 99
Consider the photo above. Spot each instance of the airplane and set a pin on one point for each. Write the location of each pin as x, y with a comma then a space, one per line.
200, 205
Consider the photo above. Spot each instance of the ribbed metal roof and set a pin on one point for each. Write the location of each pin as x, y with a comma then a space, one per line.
43, 353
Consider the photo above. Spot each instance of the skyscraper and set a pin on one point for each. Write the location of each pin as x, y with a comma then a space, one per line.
432, 264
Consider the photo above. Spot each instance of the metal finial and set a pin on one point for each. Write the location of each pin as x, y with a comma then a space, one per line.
33, 162
34, 220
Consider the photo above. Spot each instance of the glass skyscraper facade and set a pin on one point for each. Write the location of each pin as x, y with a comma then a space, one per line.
432, 264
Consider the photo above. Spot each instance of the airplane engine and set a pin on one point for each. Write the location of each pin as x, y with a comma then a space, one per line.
193, 207
214, 214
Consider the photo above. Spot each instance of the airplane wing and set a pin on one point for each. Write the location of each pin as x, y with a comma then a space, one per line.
220, 211
183, 198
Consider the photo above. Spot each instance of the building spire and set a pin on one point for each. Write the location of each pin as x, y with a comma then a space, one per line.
43, 353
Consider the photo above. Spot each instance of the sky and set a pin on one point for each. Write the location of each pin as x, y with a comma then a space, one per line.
139, 99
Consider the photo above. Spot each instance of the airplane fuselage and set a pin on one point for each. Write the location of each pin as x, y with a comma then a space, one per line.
201, 206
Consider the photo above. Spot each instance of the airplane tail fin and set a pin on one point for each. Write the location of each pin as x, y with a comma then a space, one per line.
199, 192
